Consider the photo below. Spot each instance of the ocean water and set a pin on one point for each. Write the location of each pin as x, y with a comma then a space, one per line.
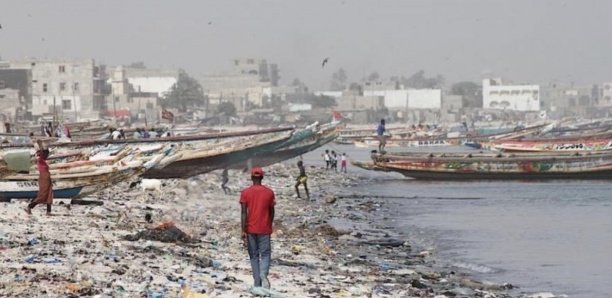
540, 236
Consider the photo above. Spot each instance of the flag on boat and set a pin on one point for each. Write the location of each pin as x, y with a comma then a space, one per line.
167, 115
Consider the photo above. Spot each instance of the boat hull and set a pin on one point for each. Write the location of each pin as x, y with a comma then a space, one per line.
189, 167
486, 167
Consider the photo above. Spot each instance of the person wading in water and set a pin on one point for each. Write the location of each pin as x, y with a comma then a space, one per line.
302, 179
257, 206
45, 186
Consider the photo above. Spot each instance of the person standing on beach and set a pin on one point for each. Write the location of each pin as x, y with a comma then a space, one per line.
327, 159
224, 181
257, 214
302, 179
45, 186
380, 132
343, 163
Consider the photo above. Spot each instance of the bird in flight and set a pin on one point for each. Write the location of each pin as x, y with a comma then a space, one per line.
324, 62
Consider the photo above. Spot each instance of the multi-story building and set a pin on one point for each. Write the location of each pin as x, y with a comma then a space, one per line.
606, 95
250, 83
560, 99
16, 89
63, 88
496, 95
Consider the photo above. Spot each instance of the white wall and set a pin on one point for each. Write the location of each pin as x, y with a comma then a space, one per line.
424, 98
159, 85
495, 95
412, 98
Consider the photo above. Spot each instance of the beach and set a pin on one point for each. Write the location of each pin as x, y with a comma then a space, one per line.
330, 246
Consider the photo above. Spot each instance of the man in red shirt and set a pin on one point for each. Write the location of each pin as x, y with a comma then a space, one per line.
257, 204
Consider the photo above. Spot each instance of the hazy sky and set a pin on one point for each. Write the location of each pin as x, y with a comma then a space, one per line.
523, 41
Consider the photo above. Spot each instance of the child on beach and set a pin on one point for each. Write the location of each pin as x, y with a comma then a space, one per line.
334, 161
343, 163
327, 159
302, 179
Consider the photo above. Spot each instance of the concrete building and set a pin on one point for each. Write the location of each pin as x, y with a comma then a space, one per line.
147, 80
606, 95
250, 83
10, 103
65, 88
409, 98
496, 95
451, 108
561, 100
21, 81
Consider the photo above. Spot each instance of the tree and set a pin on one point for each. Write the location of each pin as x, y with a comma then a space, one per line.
185, 93
471, 92
300, 86
373, 77
322, 101
338, 82
419, 81
226, 108
138, 64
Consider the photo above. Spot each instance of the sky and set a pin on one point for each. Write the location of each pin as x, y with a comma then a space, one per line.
537, 41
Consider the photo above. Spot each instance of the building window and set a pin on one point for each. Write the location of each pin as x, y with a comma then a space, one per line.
62, 86
116, 98
66, 104
44, 87
62, 68
75, 87
149, 105
2, 85
45, 102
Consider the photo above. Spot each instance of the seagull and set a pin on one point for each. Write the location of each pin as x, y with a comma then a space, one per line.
209, 23
325, 62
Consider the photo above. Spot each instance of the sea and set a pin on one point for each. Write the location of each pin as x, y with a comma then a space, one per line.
541, 236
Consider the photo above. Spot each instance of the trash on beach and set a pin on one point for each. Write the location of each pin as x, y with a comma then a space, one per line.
165, 232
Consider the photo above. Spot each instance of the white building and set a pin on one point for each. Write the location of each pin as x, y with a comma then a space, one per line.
409, 98
148, 80
495, 95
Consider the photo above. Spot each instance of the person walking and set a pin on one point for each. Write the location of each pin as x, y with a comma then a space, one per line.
302, 179
224, 181
45, 187
257, 214
380, 132
343, 163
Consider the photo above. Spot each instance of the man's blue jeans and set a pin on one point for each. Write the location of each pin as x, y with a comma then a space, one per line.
260, 251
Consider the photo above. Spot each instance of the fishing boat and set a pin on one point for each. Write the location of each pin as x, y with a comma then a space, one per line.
70, 185
425, 142
173, 139
191, 162
556, 145
494, 167
324, 135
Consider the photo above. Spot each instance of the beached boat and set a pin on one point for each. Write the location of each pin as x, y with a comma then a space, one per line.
175, 139
191, 162
495, 167
325, 135
72, 185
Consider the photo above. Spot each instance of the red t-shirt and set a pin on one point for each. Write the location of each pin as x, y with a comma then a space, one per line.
41, 164
259, 200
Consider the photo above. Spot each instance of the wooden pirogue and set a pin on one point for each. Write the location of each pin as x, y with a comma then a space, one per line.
494, 167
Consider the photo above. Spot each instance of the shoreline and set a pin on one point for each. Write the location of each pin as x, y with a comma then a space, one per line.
326, 247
